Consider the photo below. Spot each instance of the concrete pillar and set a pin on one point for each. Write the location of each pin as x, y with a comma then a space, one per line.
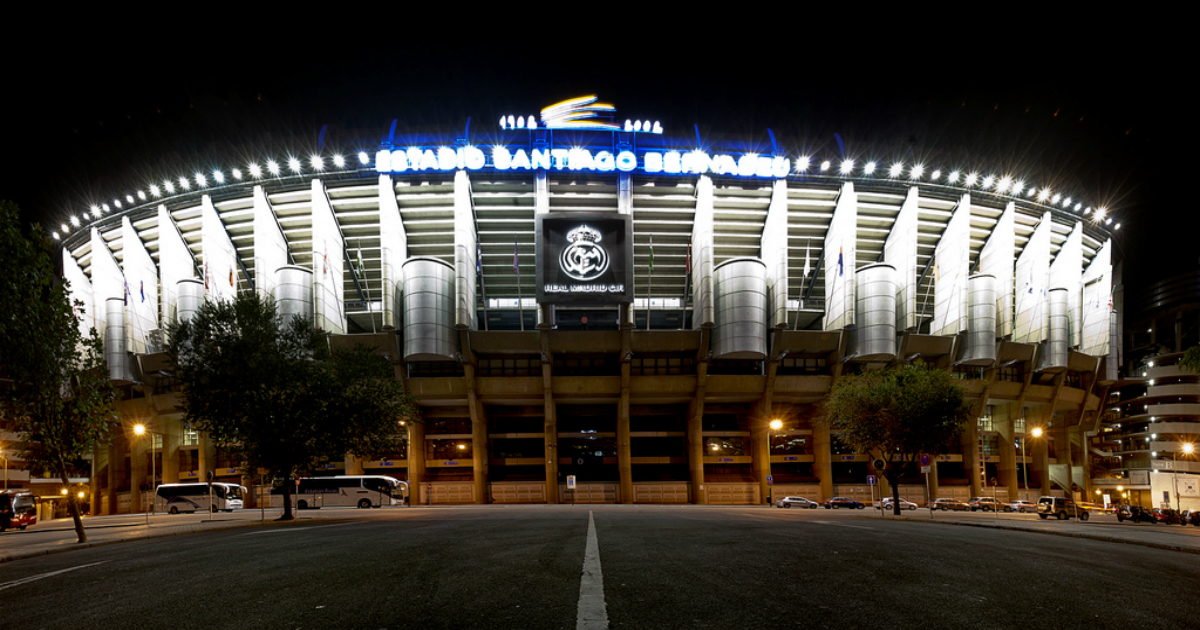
695, 437
172, 437
933, 480
416, 461
479, 449
1007, 470
116, 450
822, 458
760, 448
970, 455
624, 460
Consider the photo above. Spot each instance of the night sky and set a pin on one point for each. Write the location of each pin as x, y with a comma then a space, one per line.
1089, 122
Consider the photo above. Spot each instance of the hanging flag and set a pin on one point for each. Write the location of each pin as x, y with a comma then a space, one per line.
126, 291
142, 289
689, 259
206, 274
478, 260
362, 270
806, 243
651, 253
840, 268
231, 276
516, 258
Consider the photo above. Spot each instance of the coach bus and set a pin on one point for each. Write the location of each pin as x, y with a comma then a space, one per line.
363, 491
174, 498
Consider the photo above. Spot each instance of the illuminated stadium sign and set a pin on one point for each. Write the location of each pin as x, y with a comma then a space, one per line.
584, 257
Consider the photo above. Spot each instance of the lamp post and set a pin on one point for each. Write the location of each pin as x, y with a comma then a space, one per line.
775, 425
1187, 450
140, 429
1037, 432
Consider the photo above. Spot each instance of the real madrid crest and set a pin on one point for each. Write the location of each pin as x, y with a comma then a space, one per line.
584, 259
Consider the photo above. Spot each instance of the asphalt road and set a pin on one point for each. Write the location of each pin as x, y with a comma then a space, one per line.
658, 566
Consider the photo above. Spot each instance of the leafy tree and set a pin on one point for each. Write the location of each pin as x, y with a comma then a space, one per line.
898, 414
57, 389
1191, 360
273, 390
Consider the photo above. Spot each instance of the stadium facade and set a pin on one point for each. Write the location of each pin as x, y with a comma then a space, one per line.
569, 297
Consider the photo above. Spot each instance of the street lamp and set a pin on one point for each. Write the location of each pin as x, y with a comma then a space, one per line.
140, 429
775, 425
1037, 433
1187, 450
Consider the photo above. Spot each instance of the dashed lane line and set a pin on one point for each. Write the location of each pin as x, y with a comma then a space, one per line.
42, 576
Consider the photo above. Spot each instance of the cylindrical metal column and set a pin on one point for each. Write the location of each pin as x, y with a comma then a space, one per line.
429, 332
740, 285
874, 337
981, 321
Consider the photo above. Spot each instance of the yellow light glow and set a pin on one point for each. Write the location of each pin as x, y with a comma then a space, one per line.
776, 425
1188, 448
1037, 432
139, 429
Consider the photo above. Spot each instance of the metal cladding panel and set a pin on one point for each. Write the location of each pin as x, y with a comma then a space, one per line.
189, 295
429, 332
740, 285
981, 322
270, 246
107, 279
142, 278
1097, 302
1110, 369
774, 249
293, 293
874, 337
220, 258
175, 262
1054, 355
1031, 284
951, 267
997, 259
115, 349
839, 263
1066, 272
900, 251
466, 248
329, 268
702, 248
80, 291
393, 251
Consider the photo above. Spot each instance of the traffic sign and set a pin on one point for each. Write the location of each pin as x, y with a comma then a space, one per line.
570, 482
870, 480
924, 460
770, 478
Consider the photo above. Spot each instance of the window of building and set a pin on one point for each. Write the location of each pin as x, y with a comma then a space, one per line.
720, 446
191, 437
1019, 424
985, 421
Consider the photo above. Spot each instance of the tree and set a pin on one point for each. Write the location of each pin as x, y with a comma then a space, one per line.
896, 415
57, 389
1190, 360
274, 392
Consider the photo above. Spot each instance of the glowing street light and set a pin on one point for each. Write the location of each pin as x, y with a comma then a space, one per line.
1037, 433
1187, 450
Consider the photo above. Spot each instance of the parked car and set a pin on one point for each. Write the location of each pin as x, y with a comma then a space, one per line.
1061, 508
844, 502
1135, 514
788, 502
1023, 506
886, 504
948, 504
1192, 516
17, 509
1168, 516
987, 504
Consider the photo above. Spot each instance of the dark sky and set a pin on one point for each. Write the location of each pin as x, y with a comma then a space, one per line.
1088, 121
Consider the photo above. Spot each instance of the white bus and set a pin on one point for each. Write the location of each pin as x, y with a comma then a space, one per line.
364, 491
174, 498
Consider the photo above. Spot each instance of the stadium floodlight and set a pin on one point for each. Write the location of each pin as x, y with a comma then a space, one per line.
1098, 214
294, 164
363, 158
987, 182
970, 180
1003, 184
1066, 202
169, 185
218, 177
1078, 206
237, 173
1018, 186
95, 209
64, 228
155, 190
868, 168
1086, 211
339, 161
847, 167
952, 177
128, 198
637, 125
184, 183
916, 172
55, 235
1044, 195
933, 177
273, 167
896, 169
255, 170
1108, 221
802, 164
317, 162
116, 202
74, 220
201, 180
1056, 199
1117, 226
825, 166
141, 195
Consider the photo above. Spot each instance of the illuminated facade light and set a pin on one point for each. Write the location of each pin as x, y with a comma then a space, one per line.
169, 186
916, 172
1057, 197
294, 164
272, 167
155, 190
128, 198
201, 180
1117, 226
255, 170
847, 167
218, 177
1067, 202
1032, 191
895, 170
868, 168
935, 175
317, 162
64, 228
825, 166
363, 158
1004, 184
1108, 221
970, 180
55, 235
520, 122
184, 183
987, 182
1017, 187
339, 161
802, 164
1044, 194
141, 195
116, 202
74, 220
237, 173
1078, 206
952, 177
95, 210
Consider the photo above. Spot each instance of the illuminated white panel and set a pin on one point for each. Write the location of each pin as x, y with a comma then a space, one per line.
217, 252
1097, 302
838, 265
996, 259
465, 252
175, 262
270, 246
775, 255
900, 251
328, 265
107, 280
393, 251
702, 250
951, 267
80, 290
142, 276
1030, 286
1066, 272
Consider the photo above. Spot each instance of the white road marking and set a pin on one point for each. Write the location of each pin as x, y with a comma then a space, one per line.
34, 578
843, 525
295, 529
592, 613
